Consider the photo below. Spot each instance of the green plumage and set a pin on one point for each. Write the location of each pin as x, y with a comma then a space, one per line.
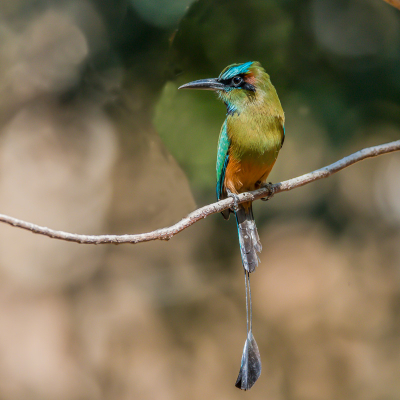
255, 134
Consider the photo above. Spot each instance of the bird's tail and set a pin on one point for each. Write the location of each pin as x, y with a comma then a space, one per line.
249, 240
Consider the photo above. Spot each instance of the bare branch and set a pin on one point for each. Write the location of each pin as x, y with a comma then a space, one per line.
203, 212
394, 3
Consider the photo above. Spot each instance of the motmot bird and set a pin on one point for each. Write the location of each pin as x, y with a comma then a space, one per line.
248, 146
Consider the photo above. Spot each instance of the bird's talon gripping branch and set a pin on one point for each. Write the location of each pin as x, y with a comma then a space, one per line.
235, 198
270, 191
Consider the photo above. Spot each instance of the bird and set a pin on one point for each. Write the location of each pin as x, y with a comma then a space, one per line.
249, 143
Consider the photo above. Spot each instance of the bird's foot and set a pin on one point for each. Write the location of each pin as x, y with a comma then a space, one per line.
270, 190
235, 198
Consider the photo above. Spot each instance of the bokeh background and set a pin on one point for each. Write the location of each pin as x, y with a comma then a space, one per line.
95, 138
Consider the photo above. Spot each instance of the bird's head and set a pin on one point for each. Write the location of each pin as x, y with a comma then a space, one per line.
236, 85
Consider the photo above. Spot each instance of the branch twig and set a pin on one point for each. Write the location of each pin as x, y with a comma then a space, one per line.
394, 3
203, 212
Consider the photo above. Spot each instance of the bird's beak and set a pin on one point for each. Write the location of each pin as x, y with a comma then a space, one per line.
205, 84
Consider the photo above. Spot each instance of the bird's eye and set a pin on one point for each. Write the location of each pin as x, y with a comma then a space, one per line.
237, 81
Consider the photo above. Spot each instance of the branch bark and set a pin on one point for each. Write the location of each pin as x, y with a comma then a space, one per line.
203, 212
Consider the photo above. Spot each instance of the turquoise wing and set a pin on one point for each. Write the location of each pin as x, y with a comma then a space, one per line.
222, 158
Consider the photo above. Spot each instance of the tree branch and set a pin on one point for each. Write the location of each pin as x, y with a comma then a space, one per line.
394, 3
203, 212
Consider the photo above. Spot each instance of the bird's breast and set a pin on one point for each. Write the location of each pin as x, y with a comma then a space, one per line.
255, 142
255, 137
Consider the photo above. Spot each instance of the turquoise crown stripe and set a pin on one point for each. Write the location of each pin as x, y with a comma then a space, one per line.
236, 70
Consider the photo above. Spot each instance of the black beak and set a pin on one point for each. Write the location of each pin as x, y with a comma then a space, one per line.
205, 84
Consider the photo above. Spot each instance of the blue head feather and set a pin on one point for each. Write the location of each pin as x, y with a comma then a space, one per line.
235, 69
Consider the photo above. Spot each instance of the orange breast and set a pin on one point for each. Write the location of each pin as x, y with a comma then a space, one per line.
243, 176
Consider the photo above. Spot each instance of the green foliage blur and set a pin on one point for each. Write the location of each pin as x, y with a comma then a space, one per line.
340, 81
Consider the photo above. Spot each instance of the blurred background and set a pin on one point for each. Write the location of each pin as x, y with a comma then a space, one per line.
95, 138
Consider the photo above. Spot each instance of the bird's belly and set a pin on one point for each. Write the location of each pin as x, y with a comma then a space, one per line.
245, 175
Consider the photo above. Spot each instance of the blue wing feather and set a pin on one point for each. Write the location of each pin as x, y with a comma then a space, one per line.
222, 158
220, 182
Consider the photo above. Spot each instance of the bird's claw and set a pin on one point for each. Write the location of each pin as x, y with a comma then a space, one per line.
235, 198
270, 189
